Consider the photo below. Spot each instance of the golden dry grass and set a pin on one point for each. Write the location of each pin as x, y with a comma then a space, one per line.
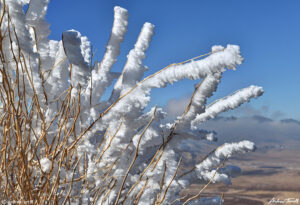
275, 173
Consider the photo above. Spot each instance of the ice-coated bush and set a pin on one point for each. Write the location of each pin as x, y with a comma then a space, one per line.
61, 143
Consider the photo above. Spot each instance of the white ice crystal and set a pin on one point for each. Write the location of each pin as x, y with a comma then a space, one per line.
45, 164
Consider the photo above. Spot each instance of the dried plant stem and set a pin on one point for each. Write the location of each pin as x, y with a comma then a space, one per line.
210, 181
135, 156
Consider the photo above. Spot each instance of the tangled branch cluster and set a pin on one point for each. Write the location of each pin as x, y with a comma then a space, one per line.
60, 142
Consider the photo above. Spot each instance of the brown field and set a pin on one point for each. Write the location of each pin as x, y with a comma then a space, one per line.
270, 174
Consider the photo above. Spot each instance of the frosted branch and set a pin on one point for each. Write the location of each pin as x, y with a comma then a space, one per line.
134, 69
230, 102
118, 32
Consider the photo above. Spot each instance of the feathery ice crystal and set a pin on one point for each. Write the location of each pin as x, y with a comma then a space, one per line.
61, 142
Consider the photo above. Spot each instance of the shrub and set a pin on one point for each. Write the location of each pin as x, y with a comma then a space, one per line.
62, 143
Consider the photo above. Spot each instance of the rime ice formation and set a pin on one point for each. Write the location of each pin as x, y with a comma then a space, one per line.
109, 151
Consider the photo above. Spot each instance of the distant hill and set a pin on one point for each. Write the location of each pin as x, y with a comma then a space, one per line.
262, 130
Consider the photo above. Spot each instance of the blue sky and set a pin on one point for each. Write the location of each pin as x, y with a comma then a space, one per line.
268, 32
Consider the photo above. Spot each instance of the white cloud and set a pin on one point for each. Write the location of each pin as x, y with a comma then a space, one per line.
175, 107
256, 128
260, 125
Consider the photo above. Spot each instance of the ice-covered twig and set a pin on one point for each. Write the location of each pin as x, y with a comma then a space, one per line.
134, 70
230, 102
118, 32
